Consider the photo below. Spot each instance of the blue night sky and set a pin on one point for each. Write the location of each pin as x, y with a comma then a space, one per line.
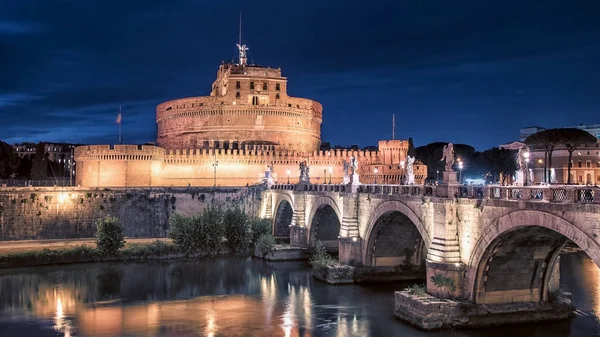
462, 71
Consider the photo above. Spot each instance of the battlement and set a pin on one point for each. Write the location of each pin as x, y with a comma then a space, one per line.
118, 152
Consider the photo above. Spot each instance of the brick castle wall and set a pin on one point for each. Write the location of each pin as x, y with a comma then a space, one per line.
56, 213
144, 166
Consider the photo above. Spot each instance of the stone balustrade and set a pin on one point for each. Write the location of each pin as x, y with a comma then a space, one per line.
557, 194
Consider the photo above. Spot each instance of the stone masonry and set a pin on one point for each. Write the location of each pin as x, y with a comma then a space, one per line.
492, 245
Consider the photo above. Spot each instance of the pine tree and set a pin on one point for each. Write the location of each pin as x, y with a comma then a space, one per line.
39, 167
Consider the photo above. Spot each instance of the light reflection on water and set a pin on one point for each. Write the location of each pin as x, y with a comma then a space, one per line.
236, 296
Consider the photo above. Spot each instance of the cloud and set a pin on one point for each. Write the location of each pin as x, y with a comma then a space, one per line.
67, 66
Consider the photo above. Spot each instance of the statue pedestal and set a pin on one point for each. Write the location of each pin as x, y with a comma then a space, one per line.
346, 180
411, 179
354, 180
450, 178
520, 178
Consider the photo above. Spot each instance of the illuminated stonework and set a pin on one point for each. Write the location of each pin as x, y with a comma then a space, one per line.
231, 137
248, 108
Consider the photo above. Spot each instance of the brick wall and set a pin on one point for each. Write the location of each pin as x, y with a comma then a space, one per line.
53, 213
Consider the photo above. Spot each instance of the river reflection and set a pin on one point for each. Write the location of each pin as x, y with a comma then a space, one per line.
234, 297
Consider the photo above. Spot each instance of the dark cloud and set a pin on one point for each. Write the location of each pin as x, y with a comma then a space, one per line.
471, 72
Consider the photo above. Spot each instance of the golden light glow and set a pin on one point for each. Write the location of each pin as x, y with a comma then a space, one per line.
62, 198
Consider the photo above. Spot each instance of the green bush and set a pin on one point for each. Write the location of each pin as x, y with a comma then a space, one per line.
237, 229
320, 259
109, 236
185, 234
417, 290
264, 245
259, 228
197, 235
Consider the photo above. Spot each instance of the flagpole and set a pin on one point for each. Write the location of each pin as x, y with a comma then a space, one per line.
393, 126
120, 142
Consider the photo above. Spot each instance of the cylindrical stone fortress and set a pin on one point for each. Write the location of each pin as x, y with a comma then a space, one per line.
248, 108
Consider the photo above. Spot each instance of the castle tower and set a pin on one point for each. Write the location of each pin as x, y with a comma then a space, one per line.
248, 108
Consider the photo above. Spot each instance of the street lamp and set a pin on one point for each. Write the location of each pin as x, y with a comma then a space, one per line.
375, 170
460, 167
330, 171
215, 171
402, 172
288, 174
526, 155
437, 177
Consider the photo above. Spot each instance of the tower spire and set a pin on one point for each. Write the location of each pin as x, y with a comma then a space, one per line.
242, 47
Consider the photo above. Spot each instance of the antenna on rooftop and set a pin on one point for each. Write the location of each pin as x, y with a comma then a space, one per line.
393, 127
242, 47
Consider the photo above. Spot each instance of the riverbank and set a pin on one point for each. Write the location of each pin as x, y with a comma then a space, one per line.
48, 252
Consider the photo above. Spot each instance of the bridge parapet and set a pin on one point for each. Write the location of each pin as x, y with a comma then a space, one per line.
555, 194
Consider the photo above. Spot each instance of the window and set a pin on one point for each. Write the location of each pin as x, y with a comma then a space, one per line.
276, 96
579, 163
237, 94
251, 85
277, 87
217, 144
254, 100
238, 84
265, 86
588, 164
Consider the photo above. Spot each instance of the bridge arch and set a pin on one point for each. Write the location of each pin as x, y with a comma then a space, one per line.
395, 236
514, 258
324, 223
283, 215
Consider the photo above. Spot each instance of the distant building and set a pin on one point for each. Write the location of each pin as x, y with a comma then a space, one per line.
61, 153
593, 129
528, 131
585, 165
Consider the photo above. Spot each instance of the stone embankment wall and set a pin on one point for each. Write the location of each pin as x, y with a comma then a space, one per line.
60, 213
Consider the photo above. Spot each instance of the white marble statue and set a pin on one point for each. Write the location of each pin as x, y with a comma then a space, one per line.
304, 176
448, 155
354, 164
346, 172
409, 170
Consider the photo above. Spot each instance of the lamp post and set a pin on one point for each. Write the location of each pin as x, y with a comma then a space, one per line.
215, 169
402, 172
330, 171
375, 170
526, 155
288, 174
460, 168
437, 177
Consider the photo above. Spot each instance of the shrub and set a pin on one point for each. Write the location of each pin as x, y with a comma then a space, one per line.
201, 234
237, 229
416, 289
185, 234
320, 259
259, 228
109, 236
264, 245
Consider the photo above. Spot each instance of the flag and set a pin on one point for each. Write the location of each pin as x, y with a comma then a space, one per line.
118, 118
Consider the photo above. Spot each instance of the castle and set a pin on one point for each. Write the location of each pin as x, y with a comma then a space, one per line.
247, 129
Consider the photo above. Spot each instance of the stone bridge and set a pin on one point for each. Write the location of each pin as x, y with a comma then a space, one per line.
484, 245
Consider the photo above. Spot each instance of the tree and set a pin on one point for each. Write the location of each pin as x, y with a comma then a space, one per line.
411, 148
572, 139
237, 229
498, 162
109, 236
39, 167
545, 140
8, 160
431, 155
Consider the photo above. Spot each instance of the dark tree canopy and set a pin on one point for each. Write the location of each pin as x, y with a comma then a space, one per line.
411, 148
39, 167
431, 155
9, 161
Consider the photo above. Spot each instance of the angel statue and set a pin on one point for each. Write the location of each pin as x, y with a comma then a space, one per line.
304, 172
409, 165
448, 155
354, 164
520, 157
346, 167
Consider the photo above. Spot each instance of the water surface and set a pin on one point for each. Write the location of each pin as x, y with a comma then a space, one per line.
235, 297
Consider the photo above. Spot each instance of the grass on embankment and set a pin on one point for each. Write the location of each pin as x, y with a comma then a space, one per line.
84, 253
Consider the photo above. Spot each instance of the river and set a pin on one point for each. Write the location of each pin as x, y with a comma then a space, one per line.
236, 297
